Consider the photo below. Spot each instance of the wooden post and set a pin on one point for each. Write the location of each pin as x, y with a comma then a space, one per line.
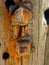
38, 32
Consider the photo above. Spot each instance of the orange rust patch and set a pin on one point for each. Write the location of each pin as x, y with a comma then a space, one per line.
11, 48
6, 22
12, 45
27, 15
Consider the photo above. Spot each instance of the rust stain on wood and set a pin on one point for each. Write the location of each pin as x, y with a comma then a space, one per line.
19, 45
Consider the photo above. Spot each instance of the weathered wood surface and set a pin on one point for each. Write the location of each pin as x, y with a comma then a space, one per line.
46, 58
4, 41
38, 38
43, 34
